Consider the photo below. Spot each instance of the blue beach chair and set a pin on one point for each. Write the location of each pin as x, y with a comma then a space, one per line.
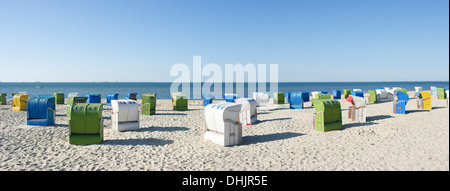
41, 111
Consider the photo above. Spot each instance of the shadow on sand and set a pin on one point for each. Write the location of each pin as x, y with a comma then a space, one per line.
350, 125
151, 129
254, 139
134, 142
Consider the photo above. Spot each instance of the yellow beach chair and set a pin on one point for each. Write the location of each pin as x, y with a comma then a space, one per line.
20, 102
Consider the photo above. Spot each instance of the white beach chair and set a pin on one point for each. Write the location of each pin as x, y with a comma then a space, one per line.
262, 101
357, 112
73, 94
221, 124
125, 116
418, 89
357, 90
249, 113
384, 96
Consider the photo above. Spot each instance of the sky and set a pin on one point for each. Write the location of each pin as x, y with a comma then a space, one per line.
140, 41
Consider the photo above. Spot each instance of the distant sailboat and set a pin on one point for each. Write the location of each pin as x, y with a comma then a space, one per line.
39, 87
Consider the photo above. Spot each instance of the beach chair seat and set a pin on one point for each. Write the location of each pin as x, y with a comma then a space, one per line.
148, 104
3, 99
179, 102
336, 94
278, 98
19, 102
221, 124
249, 114
327, 116
86, 124
125, 115
441, 93
400, 102
94, 98
357, 94
262, 101
296, 100
384, 96
347, 92
423, 100
357, 111
286, 97
110, 97
59, 97
305, 96
131, 96
41, 111
434, 91
207, 99
72, 101
372, 96
230, 97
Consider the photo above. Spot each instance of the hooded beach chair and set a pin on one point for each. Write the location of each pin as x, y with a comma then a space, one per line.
230, 97
336, 94
94, 98
400, 102
110, 97
434, 91
72, 102
148, 104
86, 124
357, 111
357, 94
278, 98
2, 98
327, 116
73, 94
305, 96
125, 115
402, 90
314, 93
418, 89
321, 96
347, 92
372, 96
423, 100
286, 97
131, 96
207, 99
179, 102
41, 111
384, 96
19, 102
59, 97
296, 100
262, 101
221, 124
389, 90
441, 93
249, 114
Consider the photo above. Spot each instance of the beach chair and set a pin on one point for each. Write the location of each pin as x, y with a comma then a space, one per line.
59, 97
357, 94
372, 96
207, 99
296, 100
336, 94
72, 102
262, 101
434, 91
110, 97
305, 96
314, 93
441, 93
19, 102
347, 92
131, 96
327, 116
73, 94
125, 115
447, 91
148, 104
278, 98
423, 100
286, 97
221, 124
86, 124
94, 98
402, 90
400, 102
321, 96
2, 98
418, 89
357, 111
230, 97
179, 102
249, 114
384, 96
41, 111
389, 90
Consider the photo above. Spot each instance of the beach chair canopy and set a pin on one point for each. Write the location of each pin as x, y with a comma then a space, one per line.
110, 97
125, 115
441, 93
94, 98
305, 96
402, 97
221, 124
148, 104
230, 97
86, 124
41, 111
20, 102
418, 89
296, 100
328, 115
131, 96
2, 98
59, 97
262, 100
336, 94
248, 114
357, 93
73, 101
278, 97
179, 102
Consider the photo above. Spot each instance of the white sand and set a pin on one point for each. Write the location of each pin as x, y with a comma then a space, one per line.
283, 140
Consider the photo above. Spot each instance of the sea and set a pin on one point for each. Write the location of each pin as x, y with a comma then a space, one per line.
163, 89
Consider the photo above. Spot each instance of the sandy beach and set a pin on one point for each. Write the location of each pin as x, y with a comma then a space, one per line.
283, 140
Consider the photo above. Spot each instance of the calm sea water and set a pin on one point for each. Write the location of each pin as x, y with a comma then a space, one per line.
163, 89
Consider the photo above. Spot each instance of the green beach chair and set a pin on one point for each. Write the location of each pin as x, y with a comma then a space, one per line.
278, 98
148, 104
372, 96
86, 124
321, 97
59, 97
328, 115
347, 92
402, 90
2, 98
441, 93
179, 102
73, 101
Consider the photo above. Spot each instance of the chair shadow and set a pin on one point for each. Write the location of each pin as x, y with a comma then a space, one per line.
438, 108
135, 142
351, 125
151, 129
269, 120
416, 111
378, 117
249, 140
61, 125
170, 114
60, 115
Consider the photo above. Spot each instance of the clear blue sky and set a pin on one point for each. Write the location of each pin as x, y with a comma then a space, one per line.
310, 40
